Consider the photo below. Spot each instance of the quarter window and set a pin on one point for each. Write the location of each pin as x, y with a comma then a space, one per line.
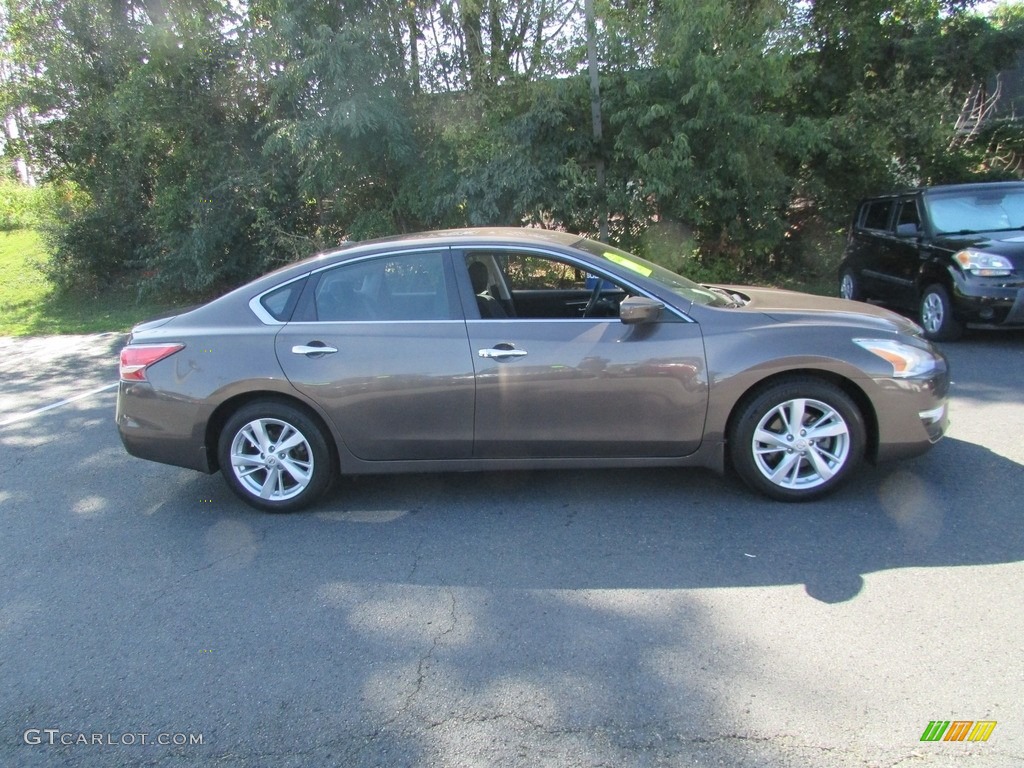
280, 302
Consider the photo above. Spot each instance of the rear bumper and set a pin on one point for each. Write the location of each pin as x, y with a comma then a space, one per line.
159, 428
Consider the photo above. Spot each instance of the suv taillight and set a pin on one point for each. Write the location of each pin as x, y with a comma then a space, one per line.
135, 359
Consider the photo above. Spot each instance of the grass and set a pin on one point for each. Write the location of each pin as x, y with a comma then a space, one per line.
30, 305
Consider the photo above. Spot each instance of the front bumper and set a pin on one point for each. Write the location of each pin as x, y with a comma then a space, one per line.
912, 414
988, 301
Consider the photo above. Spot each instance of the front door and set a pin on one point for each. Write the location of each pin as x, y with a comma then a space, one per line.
562, 376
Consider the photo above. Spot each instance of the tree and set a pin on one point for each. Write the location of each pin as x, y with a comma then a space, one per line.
890, 82
706, 136
213, 139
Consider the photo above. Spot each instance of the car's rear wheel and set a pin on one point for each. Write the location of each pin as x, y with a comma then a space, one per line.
797, 440
849, 286
937, 315
274, 456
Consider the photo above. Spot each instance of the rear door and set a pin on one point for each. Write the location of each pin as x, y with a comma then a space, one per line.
901, 259
395, 372
873, 244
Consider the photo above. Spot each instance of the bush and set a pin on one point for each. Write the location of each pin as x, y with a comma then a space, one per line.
19, 205
28, 207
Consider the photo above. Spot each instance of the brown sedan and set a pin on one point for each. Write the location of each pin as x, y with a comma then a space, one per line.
522, 349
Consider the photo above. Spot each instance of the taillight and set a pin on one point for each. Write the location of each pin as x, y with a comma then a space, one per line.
135, 359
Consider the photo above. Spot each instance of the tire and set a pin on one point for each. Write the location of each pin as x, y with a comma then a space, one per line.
849, 286
263, 475
801, 463
937, 315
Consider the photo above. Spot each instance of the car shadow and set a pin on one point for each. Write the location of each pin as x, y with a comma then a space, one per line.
580, 529
647, 529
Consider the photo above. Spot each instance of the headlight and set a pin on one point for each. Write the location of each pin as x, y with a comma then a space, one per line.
906, 361
984, 264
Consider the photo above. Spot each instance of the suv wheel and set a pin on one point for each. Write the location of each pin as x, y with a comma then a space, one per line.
849, 286
937, 315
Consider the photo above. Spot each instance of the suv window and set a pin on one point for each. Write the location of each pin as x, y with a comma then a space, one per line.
976, 211
908, 220
876, 214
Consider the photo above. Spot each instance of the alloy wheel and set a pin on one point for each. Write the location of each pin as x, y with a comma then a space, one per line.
801, 444
272, 459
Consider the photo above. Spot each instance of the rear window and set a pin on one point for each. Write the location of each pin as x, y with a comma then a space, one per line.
404, 286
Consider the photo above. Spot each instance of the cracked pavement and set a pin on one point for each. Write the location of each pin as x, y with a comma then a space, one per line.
626, 618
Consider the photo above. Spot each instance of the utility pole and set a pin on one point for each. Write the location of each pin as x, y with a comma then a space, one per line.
595, 116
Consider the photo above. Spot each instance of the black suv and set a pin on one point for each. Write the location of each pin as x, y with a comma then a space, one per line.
954, 253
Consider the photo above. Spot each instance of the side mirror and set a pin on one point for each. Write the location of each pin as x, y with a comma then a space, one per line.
635, 310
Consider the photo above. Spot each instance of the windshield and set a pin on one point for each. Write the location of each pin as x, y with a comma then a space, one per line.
678, 284
985, 211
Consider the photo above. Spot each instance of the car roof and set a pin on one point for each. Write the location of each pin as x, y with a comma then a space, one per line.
975, 186
472, 236
466, 236
452, 237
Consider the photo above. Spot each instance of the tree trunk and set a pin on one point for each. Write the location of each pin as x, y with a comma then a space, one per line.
595, 117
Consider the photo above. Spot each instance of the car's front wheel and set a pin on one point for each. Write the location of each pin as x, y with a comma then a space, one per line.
274, 456
937, 315
796, 440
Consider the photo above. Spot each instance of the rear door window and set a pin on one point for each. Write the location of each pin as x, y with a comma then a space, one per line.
408, 286
877, 214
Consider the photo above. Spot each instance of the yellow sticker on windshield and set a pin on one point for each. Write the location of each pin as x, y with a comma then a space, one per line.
622, 261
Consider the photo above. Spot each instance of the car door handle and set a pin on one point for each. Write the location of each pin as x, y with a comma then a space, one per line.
497, 353
313, 348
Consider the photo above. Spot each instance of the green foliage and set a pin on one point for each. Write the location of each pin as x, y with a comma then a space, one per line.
31, 304
209, 140
888, 83
20, 205
708, 137
519, 155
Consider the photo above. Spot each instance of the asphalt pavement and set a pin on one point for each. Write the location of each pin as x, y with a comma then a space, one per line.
579, 618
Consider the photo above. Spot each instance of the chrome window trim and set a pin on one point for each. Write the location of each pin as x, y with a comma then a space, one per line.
267, 319
380, 255
460, 321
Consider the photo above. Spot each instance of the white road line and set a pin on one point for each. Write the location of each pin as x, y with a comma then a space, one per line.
37, 411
